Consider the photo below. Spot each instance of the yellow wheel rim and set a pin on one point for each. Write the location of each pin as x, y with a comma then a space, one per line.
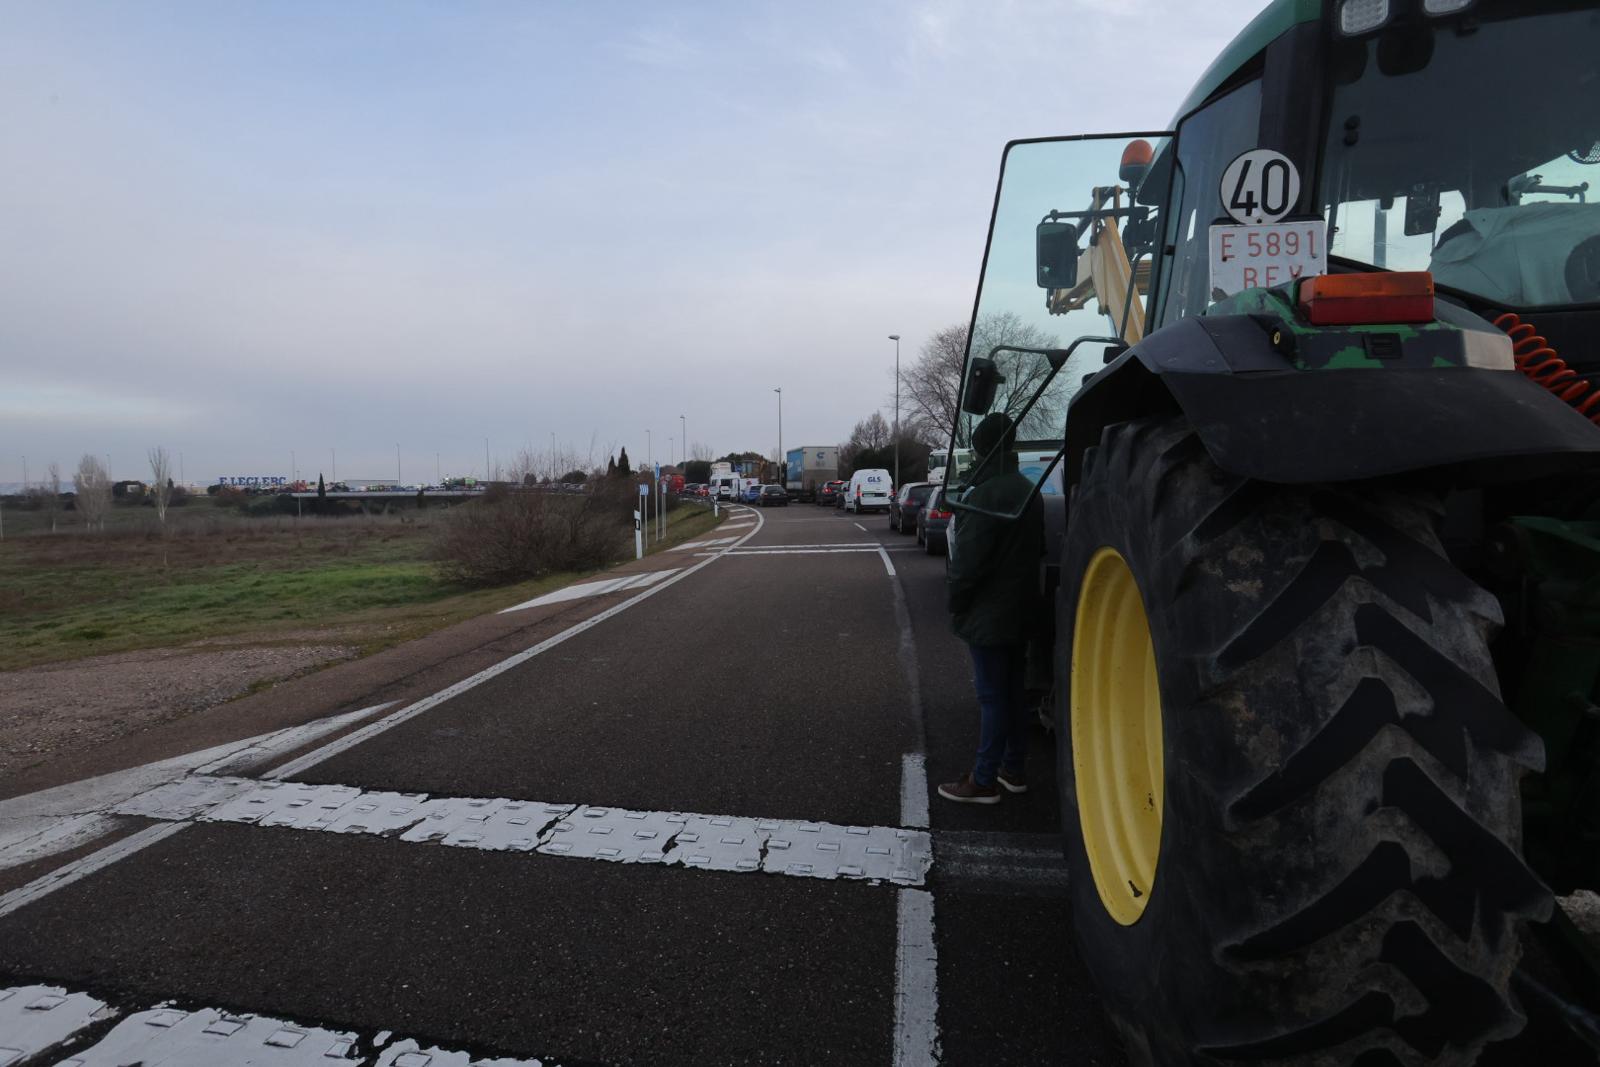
1116, 736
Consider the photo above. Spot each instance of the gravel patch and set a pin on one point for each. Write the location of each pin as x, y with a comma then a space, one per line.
57, 707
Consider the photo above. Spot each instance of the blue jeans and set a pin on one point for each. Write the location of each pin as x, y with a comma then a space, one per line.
998, 674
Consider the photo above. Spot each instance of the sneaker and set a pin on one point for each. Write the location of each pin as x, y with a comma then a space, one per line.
968, 791
1012, 781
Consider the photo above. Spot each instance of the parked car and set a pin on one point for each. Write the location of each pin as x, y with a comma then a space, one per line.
933, 524
906, 503
869, 490
829, 494
773, 496
751, 494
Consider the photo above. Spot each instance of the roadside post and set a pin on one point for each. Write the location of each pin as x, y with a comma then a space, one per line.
638, 522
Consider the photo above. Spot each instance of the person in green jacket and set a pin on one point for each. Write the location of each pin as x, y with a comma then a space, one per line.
992, 586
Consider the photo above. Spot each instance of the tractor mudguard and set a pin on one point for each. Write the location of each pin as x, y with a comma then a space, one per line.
1337, 406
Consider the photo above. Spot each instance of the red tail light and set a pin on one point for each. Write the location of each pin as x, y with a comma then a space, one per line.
1358, 299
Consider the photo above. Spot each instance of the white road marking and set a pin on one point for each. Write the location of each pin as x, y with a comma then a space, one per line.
914, 790
856, 550
58, 820
34, 1018
1022, 864
587, 589
409, 1054
82, 868
886, 564
707, 842
858, 526
702, 544
371, 730
211, 1038
916, 982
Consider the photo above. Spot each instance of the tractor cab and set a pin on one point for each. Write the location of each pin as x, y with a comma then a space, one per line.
1453, 137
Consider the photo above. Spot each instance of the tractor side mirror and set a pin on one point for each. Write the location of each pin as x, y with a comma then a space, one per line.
983, 381
1056, 259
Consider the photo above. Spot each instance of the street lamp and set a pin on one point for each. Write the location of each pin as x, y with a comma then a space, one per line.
684, 426
783, 466
896, 339
649, 449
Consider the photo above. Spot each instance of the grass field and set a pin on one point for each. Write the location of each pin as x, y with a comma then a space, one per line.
226, 579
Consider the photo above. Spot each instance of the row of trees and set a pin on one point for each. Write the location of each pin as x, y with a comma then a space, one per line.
92, 490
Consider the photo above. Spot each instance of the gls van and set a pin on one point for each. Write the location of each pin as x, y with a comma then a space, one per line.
868, 490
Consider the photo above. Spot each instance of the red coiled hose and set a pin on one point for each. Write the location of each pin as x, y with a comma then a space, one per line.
1535, 358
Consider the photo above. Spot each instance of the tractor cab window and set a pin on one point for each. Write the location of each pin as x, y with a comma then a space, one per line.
1207, 141
1065, 276
1470, 150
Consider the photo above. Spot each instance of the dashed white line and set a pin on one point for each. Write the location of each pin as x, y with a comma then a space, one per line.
858, 526
916, 982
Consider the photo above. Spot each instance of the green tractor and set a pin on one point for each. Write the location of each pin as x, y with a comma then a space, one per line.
1319, 371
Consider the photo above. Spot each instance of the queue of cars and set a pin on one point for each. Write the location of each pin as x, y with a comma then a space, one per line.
916, 507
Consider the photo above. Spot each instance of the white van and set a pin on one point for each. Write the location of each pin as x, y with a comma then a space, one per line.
868, 490
725, 487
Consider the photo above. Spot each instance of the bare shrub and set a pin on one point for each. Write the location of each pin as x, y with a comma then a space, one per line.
519, 535
160, 481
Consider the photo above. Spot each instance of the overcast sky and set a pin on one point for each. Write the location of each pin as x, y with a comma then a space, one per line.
241, 229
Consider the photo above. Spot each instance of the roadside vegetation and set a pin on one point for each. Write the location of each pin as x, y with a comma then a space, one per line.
212, 573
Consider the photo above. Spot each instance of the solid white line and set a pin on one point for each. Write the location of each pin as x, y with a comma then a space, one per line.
886, 564
371, 730
914, 790
916, 982
668, 838
82, 868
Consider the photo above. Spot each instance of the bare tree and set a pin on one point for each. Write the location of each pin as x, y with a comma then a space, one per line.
52, 487
92, 491
928, 385
933, 382
871, 432
160, 482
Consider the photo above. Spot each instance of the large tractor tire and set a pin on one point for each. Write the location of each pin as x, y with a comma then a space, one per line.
1289, 784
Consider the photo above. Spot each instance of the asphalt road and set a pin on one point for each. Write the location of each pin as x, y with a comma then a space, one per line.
793, 682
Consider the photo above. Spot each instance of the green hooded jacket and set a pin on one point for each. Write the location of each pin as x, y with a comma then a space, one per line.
992, 582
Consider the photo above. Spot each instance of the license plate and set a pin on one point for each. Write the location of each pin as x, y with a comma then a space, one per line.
1259, 257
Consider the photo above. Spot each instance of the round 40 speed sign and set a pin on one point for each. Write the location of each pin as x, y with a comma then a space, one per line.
1260, 186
